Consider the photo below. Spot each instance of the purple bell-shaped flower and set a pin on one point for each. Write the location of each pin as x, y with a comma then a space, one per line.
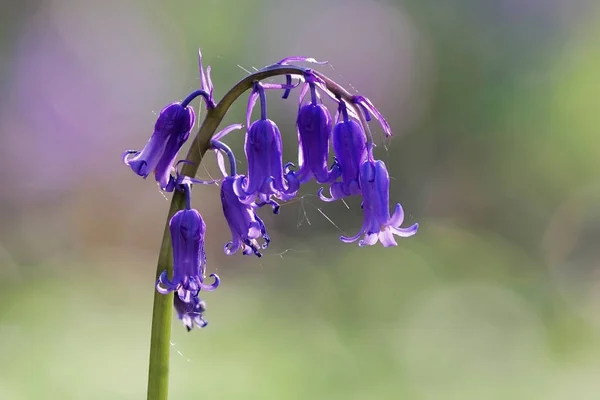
245, 224
378, 225
350, 148
314, 133
189, 259
171, 130
263, 148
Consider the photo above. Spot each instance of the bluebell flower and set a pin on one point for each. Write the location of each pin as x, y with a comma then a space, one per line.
245, 225
314, 132
189, 259
378, 225
350, 149
263, 148
171, 130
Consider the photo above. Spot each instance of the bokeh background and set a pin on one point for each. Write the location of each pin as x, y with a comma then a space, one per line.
494, 105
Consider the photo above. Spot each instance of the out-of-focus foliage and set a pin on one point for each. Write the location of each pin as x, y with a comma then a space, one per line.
495, 109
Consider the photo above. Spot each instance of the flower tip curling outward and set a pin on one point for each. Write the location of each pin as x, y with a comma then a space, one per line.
378, 225
171, 130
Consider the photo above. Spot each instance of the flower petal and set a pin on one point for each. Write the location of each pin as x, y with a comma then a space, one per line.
251, 103
336, 192
213, 286
405, 232
365, 102
369, 240
228, 129
398, 217
386, 237
354, 238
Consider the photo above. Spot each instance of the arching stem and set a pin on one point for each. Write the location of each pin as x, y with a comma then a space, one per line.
160, 340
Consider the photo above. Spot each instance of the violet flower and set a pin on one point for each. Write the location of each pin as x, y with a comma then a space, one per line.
314, 132
189, 259
171, 130
245, 225
263, 148
350, 148
378, 225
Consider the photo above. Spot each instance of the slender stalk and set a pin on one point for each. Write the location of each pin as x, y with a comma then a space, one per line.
160, 340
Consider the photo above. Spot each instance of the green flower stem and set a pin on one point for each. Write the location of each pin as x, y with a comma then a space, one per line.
160, 340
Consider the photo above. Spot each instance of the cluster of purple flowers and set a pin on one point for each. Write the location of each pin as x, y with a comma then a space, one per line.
353, 172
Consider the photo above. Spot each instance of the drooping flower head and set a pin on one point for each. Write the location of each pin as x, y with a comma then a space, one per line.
263, 148
378, 225
171, 130
189, 259
314, 132
245, 225
350, 149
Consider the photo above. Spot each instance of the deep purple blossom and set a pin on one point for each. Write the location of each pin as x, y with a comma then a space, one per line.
378, 225
314, 133
171, 130
263, 148
351, 150
245, 225
189, 259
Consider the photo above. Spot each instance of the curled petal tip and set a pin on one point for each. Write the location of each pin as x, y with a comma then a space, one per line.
347, 239
289, 167
228, 249
164, 285
406, 232
325, 198
213, 286
126, 154
266, 238
161, 289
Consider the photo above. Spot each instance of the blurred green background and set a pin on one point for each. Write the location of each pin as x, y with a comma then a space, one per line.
494, 105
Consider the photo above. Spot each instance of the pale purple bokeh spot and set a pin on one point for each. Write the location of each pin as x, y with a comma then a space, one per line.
79, 91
